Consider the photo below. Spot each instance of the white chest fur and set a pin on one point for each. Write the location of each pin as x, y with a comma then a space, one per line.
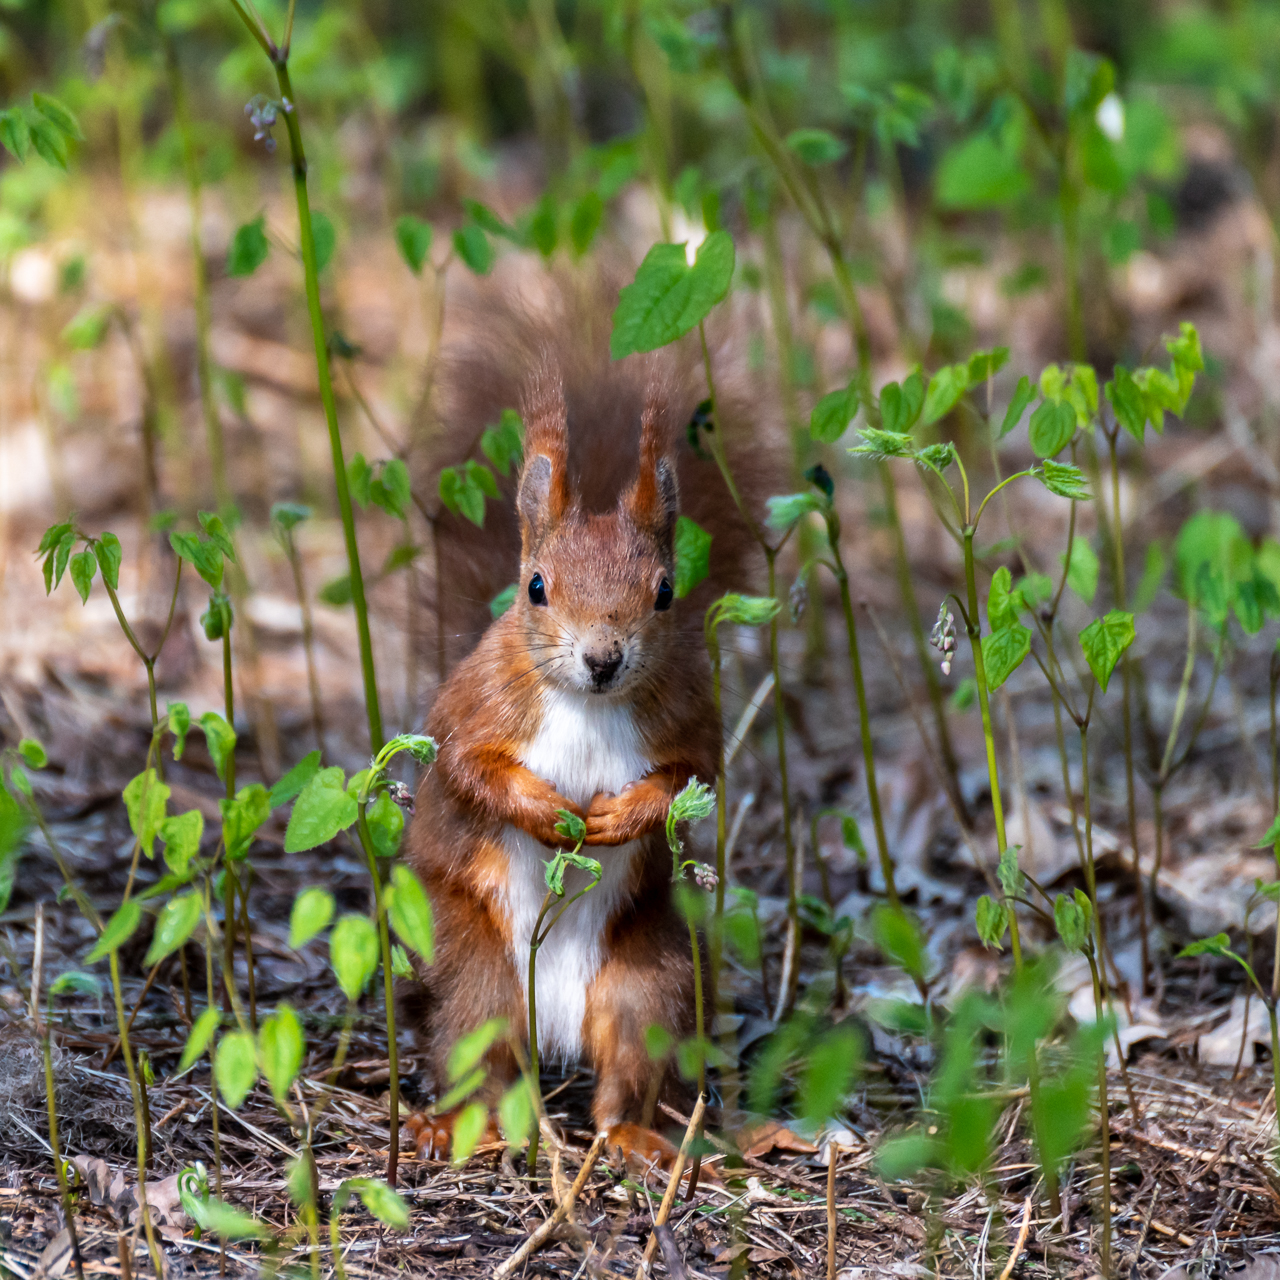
584, 745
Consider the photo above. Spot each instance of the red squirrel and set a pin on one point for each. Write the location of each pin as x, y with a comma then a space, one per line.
590, 694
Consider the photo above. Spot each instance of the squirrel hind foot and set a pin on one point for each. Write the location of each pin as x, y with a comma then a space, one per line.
643, 1149
432, 1135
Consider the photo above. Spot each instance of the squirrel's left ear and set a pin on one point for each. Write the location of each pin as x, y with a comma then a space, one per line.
654, 500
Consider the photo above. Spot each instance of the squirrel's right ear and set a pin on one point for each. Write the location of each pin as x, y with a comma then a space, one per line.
543, 496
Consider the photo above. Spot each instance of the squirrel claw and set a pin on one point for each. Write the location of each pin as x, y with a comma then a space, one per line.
433, 1135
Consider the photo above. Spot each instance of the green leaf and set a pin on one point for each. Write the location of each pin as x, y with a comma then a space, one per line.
898, 936
229, 1223
585, 217
205, 557
174, 925
83, 566
468, 1129
413, 239
986, 364
419, 745
503, 444
1023, 394
13, 829
359, 479
323, 808
1082, 572
830, 1068
235, 1067
291, 784
1052, 426
1071, 922
336, 593
74, 982
220, 738
669, 297
570, 826
1153, 572
1004, 651
400, 966
693, 555
1009, 873
353, 953
145, 798
49, 141
473, 247
832, 414
178, 715
1064, 479
877, 444
288, 515
181, 835
109, 554
1218, 945
743, 611
461, 1091
323, 237
249, 247
33, 753
903, 1156
945, 389
503, 601
979, 173
201, 1034
992, 920
312, 911
516, 1115
900, 405
241, 817
1129, 402
409, 910
385, 820
385, 1204
87, 328
1104, 640
58, 115
1002, 609
15, 133
694, 802
467, 1052
816, 146
784, 509
217, 533
390, 490
280, 1047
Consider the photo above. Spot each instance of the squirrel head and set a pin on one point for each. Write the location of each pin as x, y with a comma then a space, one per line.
595, 591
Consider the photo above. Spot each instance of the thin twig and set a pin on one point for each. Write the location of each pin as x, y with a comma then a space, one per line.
1021, 1242
669, 1196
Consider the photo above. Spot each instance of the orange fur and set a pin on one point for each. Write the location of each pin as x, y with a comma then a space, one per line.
600, 659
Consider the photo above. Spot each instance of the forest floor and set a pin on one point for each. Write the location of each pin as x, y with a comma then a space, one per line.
1192, 1168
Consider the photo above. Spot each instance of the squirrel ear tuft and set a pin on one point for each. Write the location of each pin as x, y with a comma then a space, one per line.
654, 499
543, 494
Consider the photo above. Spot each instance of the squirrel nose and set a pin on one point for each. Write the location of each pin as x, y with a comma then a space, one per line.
602, 665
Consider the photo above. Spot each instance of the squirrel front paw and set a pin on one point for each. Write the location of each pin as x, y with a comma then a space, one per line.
433, 1135
613, 820
643, 1149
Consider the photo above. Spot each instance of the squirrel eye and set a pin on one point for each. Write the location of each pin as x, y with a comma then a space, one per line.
665, 595
538, 592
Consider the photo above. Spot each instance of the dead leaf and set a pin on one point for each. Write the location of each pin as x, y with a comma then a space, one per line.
766, 1255
732, 1253
1221, 1046
56, 1257
772, 1135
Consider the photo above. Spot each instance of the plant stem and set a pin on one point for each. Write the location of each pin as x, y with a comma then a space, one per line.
1121, 598
974, 628
68, 1209
864, 717
388, 980
535, 1076
831, 1208
699, 1024
790, 964
717, 925
144, 1136
308, 638
1092, 884
372, 708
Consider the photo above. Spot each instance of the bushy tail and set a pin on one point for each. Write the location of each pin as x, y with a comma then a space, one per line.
506, 331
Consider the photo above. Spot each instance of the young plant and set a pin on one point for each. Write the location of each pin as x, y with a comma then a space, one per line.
570, 827
742, 611
268, 112
371, 803
784, 513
